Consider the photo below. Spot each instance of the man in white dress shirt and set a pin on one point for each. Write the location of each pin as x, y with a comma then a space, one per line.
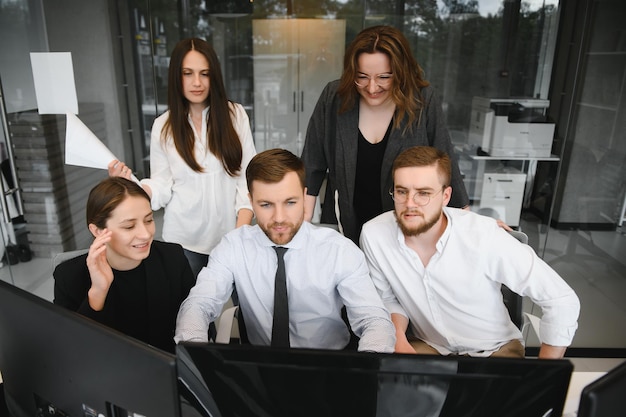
439, 271
324, 271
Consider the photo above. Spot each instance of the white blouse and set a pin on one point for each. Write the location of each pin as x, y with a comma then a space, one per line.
199, 207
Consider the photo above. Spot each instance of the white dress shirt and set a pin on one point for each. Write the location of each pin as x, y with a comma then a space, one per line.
200, 207
455, 303
324, 271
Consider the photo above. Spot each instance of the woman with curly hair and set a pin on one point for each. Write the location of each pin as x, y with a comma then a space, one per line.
380, 106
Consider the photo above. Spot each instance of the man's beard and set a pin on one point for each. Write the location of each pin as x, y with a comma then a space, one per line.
419, 229
281, 238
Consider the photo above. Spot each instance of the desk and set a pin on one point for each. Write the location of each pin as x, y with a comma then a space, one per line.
578, 381
503, 184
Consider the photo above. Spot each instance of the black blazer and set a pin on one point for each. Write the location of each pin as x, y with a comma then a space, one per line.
169, 279
331, 146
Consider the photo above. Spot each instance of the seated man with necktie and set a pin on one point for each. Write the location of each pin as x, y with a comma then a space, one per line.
292, 278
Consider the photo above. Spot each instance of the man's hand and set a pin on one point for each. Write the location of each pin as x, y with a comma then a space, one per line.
403, 345
401, 323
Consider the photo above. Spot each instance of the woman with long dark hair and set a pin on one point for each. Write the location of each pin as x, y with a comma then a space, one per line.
199, 151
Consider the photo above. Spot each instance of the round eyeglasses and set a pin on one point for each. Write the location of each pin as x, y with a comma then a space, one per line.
381, 80
421, 198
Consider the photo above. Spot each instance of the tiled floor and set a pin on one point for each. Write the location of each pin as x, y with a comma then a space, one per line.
34, 276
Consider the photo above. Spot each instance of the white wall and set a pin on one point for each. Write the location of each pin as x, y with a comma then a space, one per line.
83, 28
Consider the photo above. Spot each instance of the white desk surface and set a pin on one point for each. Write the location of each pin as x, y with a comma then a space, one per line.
578, 381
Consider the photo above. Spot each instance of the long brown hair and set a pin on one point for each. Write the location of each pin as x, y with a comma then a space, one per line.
222, 140
408, 76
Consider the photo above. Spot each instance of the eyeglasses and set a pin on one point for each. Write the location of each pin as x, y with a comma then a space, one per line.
381, 80
421, 198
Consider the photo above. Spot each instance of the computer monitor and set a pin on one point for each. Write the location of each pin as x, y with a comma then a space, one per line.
55, 362
604, 397
239, 380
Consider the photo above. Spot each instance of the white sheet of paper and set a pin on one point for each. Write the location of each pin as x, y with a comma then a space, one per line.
55, 89
83, 148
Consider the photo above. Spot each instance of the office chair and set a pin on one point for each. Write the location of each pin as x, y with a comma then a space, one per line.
604, 397
61, 257
231, 326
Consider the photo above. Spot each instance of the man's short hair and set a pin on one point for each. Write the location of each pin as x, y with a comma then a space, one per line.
423, 156
272, 165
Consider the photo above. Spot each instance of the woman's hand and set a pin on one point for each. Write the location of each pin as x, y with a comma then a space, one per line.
119, 169
99, 270
504, 225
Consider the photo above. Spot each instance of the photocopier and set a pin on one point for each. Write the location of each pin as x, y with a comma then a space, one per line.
504, 127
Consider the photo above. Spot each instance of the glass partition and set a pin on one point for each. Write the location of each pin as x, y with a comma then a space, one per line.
277, 56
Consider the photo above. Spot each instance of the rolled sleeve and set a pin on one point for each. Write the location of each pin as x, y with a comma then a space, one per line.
559, 321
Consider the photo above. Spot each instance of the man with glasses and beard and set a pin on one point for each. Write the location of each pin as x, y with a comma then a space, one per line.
439, 271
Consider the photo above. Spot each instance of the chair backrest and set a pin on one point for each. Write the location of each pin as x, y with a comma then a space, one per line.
519, 235
605, 396
513, 301
59, 258
231, 327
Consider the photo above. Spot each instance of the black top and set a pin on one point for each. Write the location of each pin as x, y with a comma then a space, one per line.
130, 294
367, 199
142, 303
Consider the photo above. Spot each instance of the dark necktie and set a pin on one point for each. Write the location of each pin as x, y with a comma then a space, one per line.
280, 326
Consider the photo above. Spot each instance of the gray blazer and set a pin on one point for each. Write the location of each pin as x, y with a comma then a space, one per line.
331, 146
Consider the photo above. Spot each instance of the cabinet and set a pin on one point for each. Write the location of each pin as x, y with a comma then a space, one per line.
502, 194
293, 60
499, 187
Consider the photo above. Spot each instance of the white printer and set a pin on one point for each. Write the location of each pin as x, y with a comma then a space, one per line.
511, 127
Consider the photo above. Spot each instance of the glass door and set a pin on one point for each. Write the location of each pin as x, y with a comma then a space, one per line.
21, 32
12, 250
291, 68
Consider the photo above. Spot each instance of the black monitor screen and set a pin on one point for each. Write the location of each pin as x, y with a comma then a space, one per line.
238, 380
605, 396
56, 362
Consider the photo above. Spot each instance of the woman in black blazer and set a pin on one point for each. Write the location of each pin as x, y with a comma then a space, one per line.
381, 106
127, 280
